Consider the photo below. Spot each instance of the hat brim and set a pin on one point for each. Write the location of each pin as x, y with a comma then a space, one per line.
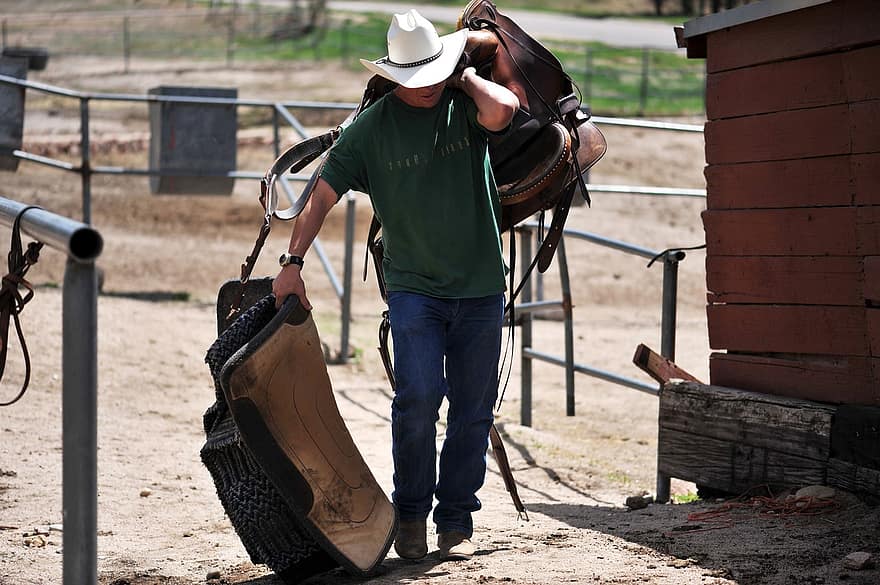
428, 74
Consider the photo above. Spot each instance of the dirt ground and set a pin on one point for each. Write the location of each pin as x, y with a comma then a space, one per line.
164, 258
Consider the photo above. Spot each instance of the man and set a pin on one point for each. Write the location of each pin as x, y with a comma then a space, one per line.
421, 154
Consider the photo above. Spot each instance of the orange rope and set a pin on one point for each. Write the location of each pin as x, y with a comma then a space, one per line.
765, 506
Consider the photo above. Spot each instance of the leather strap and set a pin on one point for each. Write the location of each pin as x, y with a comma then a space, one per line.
12, 302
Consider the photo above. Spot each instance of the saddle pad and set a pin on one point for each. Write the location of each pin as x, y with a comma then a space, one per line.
279, 392
270, 531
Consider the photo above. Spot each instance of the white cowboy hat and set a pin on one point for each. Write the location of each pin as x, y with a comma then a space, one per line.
417, 55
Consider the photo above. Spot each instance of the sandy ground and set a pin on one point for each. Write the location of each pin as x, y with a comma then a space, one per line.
159, 517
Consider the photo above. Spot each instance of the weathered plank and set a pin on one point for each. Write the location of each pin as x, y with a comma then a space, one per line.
833, 379
732, 466
797, 427
808, 82
818, 29
828, 280
866, 177
814, 182
809, 329
813, 132
864, 121
785, 85
826, 231
855, 435
853, 478
658, 367
871, 282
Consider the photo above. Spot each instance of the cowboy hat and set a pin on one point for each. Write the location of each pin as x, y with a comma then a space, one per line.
417, 55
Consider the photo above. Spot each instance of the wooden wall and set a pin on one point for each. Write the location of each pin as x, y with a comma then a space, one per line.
793, 211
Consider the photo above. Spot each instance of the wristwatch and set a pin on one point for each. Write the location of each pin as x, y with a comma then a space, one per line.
288, 259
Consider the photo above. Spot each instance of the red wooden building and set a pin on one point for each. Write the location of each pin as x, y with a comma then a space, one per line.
793, 236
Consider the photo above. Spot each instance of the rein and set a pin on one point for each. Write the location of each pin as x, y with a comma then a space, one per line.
12, 302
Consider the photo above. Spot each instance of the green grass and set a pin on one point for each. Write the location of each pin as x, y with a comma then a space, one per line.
612, 81
687, 498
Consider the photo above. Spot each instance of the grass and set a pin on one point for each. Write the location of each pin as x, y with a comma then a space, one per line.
613, 81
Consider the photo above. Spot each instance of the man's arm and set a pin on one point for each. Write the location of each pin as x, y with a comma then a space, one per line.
305, 229
496, 104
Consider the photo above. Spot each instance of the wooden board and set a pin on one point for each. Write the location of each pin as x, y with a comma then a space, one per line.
784, 425
818, 29
866, 178
855, 435
786, 135
810, 182
832, 379
871, 280
830, 231
818, 280
732, 466
807, 82
853, 478
806, 329
658, 367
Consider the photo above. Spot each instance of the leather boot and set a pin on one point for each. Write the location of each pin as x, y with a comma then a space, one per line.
455, 546
411, 542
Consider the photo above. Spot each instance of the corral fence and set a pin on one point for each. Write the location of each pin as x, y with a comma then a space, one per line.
82, 245
531, 302
620, 81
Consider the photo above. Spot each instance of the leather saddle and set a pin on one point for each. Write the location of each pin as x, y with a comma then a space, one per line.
540, 160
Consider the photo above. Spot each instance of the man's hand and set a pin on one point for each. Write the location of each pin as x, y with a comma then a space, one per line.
457, 79
289, 281
496, 104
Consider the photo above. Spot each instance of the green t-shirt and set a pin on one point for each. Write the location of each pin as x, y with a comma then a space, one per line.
428, 176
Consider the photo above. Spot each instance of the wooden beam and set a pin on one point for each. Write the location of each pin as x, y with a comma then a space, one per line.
831, 379
658, 367
774, 423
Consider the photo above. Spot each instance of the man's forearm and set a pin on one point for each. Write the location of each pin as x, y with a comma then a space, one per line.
496, 104
309, 222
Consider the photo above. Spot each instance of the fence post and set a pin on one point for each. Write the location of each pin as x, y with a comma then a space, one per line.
230, 40
667, 338
344, 34
588, 75
525, 408
79, 422
126, 42
347, 272
4, 33
643, 93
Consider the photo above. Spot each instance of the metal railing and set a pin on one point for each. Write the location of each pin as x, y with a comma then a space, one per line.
527, 308
82, 245
280, 114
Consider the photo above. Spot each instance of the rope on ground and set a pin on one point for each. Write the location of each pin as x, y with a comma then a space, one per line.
764, 506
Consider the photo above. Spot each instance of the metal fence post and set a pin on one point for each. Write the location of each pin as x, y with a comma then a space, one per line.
230, 40
86, 166
667, 339
565, 285
126, 42
80, 413
525, 409
588, 76
643, 92
347, 277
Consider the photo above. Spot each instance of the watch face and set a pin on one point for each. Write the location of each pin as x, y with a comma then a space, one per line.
283, 259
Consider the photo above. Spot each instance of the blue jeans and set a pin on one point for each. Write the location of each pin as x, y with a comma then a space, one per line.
442, 347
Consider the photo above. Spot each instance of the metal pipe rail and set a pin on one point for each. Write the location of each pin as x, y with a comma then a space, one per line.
671, 259
82, 244
281, 111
